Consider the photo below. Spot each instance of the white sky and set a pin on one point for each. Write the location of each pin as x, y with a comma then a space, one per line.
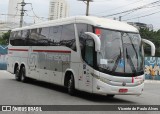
98, 8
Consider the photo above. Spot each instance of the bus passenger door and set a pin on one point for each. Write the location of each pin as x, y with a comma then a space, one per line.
85, 71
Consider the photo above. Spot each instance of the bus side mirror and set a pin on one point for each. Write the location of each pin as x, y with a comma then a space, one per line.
153, 49
96, 40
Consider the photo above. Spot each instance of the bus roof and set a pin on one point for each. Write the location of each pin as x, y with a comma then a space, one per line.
95, 21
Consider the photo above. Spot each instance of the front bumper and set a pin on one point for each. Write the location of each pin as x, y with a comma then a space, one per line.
102, 88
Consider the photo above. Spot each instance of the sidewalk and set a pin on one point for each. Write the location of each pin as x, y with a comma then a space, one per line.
152, 81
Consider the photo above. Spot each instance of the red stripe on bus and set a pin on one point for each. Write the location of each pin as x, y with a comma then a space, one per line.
132, 79
55, 51
18, 49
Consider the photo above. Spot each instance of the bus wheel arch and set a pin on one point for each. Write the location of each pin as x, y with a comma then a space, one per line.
69, 82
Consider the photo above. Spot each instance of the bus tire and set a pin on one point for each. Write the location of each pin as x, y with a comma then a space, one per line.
110, 96
70, 86
17, 74
23, 74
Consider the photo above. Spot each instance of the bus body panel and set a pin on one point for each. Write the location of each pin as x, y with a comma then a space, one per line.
16, 55
51, 63
85, 78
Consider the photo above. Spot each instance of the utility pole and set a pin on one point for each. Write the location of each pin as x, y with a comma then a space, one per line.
87, 9
23, 4
22, 12
120, 18
114, 18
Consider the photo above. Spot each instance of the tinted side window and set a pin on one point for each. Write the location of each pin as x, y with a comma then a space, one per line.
15, 38
89, 52
18, 39
25, 36
55, 35
21, 40
82, 28
12, 37
33, 37
43, 39
68, 37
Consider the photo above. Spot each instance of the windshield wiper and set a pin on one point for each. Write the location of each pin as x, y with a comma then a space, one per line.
133, 48
130, 62
117, 61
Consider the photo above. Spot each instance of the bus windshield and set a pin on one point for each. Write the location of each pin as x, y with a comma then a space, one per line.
121, 53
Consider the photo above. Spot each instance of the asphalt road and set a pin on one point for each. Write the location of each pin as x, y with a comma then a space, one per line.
13, 92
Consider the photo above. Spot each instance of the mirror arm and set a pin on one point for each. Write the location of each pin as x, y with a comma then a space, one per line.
96, 40
153, 49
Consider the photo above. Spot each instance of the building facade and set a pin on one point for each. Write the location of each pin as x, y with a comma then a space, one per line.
141, 25
58, 9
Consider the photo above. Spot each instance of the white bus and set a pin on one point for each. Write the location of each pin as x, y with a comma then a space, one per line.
90, 54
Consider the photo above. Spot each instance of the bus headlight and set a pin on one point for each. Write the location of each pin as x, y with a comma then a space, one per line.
140, 82
105, 80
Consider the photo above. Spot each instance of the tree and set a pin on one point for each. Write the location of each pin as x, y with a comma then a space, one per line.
4, 39
153, 36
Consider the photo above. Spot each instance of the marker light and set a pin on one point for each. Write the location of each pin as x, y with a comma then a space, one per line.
98, 32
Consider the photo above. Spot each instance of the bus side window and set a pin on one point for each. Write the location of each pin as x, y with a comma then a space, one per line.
24, 36
89, 51
12, 38
85, 43
34, 36
43, 37
55, 35
68, 37
18, 40
27, 35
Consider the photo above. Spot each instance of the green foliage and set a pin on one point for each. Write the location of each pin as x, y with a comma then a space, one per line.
4, 39
153, 36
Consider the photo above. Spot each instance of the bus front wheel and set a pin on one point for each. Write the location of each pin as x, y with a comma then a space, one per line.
71, 87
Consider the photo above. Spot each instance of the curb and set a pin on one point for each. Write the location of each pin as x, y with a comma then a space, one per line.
152, 81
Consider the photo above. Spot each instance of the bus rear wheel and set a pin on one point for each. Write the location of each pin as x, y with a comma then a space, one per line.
17, 74
23, 75
70, 86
